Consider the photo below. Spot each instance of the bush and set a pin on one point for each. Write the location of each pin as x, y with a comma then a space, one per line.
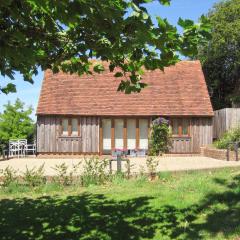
160, 137
229, 137
34, 177
8, 176
152, 164
61, 170
94, 171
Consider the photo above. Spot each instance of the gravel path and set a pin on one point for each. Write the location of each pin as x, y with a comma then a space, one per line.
166, 163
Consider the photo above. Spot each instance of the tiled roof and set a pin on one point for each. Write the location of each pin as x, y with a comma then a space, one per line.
179, 90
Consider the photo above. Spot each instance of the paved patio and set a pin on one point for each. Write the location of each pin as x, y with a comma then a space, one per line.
167, 163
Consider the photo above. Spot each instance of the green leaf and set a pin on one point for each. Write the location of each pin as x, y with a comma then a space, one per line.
10, 88
185, 23
111, 67
118, 74
161, 23
165, 2
98, 68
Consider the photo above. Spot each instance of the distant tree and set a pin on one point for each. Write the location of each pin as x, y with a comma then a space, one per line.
221, 56
15, 122
64, 35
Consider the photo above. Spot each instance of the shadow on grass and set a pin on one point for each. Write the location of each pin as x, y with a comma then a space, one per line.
93, 216
87, 216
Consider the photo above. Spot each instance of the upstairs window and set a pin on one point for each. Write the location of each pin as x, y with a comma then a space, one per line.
180, 127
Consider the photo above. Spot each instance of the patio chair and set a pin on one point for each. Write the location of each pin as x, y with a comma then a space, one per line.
17, 147
31, 148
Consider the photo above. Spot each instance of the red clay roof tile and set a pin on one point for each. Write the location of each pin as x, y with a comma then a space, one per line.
179, 90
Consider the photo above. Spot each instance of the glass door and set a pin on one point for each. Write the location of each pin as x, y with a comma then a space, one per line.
106, 125
118, 124
143, 132
131, 134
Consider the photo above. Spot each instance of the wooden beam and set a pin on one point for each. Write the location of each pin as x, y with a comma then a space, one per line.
137, 133
125, 133
112, 134
189, 126
180, 123
60, 128
100, 137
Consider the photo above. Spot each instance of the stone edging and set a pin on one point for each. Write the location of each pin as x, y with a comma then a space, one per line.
220, 154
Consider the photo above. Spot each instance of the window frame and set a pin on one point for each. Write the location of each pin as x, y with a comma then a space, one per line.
74, 133
180, 125
62, 132
69, 127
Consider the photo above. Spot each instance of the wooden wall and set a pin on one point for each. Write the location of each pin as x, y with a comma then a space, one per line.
224, 120
49, 139
200, 135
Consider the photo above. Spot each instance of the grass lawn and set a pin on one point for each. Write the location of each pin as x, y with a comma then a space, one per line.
194, 205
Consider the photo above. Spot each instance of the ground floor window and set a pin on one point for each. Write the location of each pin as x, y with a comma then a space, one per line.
131, 134
69, 127
125, 134
118, 133
143, 134
180, 127
106, 128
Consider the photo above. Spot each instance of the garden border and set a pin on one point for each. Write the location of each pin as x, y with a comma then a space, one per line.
220, 154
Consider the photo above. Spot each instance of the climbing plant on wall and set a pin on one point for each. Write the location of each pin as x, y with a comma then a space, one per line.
159, 137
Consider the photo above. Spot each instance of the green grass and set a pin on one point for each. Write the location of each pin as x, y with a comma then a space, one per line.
193, 205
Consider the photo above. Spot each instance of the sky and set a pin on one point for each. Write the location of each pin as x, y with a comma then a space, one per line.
186, 9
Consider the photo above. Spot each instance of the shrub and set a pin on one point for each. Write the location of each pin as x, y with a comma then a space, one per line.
34, 177
231, 136
128, 167
94, 171
8, 176
160, 137
74, 173
62, 177
152, 164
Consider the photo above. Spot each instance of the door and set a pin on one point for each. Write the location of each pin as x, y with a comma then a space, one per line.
143, 132
131, 133
118, 133
106, 125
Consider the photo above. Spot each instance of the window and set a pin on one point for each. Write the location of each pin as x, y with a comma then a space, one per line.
74, 126
143, 133
175, 127
69, 127
65, 127
107, 144
131, 133
185, 125
180, 127
118, 125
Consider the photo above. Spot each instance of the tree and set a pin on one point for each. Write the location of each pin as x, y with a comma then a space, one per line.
15, 122
64, 35
221, 56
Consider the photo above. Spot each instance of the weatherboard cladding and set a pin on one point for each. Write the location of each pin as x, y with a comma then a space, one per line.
178, 91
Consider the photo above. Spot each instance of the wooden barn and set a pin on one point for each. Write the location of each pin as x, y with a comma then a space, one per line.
86, 115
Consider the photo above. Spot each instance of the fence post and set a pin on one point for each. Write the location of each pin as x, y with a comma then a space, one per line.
119, 166
228, 152
110, 166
